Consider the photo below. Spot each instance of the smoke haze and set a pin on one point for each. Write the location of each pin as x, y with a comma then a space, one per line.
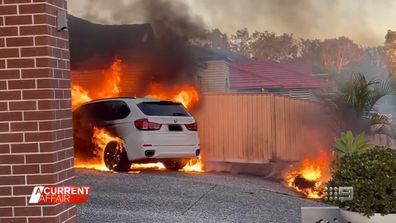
364, 21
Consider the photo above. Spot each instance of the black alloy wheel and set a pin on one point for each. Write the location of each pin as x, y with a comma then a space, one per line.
115, 157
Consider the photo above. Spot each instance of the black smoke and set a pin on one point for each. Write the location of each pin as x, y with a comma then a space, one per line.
162, 44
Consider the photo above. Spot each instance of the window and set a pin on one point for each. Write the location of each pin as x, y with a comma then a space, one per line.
108, 110
162, 108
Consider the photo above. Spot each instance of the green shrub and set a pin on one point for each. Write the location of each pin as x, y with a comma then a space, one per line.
372, 174
347, 144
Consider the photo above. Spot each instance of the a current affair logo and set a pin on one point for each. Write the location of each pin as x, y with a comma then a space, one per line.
59, 194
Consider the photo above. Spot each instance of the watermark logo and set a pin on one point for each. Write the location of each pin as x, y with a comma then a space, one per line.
59, 194
339, 193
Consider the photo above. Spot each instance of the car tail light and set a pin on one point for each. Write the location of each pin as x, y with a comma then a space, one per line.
192, 126
144, 124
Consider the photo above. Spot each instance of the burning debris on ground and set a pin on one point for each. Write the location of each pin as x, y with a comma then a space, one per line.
310, 176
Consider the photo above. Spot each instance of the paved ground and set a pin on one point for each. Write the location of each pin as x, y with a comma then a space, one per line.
165, 196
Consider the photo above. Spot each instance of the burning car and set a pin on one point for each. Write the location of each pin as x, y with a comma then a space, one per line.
138, 130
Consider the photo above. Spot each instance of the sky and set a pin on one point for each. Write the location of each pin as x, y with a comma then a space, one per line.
364, 21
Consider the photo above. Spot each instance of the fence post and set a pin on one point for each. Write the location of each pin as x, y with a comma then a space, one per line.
274, 155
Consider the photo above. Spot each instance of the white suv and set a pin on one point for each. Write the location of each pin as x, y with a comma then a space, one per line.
152, 131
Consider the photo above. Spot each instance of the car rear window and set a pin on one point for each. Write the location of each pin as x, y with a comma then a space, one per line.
162, 108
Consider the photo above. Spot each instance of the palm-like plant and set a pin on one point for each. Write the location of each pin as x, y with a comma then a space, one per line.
362, 95
355, 103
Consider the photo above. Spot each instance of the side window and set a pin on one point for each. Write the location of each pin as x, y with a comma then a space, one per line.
109, 110
122, 110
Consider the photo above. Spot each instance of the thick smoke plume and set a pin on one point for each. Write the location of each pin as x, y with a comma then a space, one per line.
173, 28
157, 51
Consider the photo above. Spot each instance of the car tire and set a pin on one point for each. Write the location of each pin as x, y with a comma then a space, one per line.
175, 165
115, 157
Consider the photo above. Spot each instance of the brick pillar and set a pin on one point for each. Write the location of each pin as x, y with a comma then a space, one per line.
35, 110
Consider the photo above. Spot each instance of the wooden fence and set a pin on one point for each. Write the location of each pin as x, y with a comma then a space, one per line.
259, 128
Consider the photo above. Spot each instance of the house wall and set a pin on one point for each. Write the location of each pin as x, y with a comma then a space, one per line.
36, 145
215, 78
260, 128
301, 93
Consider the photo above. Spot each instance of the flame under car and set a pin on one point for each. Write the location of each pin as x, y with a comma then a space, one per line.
150, 131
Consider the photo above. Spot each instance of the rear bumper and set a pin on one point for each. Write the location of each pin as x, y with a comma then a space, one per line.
164, 152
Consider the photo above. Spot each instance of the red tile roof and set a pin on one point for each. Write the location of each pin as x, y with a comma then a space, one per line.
268, 74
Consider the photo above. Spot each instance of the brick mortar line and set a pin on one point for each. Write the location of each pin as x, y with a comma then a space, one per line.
33, 46
36, 100
20, 121
46, 120
53, 163
71, 216
28, 24
29, 154
32, 78
32, 89
38, 174
35, 60
22, 100
54, 141
35, 57
32, 185
74, 206
35, 3
37, 68
37, 131
46, 131
39, 35
34, 67
37, 153
47, 100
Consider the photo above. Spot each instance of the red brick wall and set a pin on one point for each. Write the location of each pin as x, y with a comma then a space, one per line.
35, 110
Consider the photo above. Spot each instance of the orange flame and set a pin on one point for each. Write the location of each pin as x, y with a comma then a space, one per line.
112, 79
193, 165
185, 94
100, 139
110, 87
79, 96
157, 166
310, 177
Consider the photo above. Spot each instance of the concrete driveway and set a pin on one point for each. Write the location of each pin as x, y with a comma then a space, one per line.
166, 196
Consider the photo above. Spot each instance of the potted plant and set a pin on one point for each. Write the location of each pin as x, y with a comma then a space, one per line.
372, 174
